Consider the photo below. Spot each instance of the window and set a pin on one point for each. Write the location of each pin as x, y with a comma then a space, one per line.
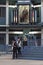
2, 11
33, 15
12, 16
3, 2
23, 14
2, 39
12, 2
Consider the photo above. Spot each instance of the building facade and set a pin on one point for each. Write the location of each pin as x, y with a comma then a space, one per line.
19, 19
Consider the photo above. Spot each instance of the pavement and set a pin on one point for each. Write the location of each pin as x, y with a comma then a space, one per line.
7, 60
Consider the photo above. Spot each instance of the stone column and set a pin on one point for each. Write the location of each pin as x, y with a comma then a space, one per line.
7, 12
7, 37
7, 22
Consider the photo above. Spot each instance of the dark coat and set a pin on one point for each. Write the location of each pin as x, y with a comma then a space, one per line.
15, 47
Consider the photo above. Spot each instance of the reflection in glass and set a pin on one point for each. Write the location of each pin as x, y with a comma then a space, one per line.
32, 16
15, 16
2, 38
24, 14
2, 15
3, 2
12, 16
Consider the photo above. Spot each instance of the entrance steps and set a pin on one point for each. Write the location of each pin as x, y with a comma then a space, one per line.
32, 51
27, 51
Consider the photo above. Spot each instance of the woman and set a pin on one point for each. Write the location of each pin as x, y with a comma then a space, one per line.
19, 45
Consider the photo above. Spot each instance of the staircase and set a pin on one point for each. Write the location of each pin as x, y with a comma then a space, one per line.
32, 51
27, 51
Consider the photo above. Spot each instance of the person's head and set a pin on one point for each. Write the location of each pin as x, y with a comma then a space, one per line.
18, 38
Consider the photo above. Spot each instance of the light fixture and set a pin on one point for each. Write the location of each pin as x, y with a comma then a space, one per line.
15, 32
36, 6
18, 32
34, 32
12, 6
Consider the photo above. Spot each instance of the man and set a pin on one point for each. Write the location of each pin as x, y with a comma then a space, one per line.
14, 49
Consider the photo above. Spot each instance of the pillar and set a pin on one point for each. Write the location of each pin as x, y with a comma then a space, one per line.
7, 22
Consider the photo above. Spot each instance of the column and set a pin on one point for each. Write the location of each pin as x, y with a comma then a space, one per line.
7, 37
7, 12
42, 22
7, 22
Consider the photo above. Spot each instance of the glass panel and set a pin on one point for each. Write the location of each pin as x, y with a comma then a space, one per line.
23, 14
12, 2
33, 39
38, 37
3, 2
2, 38
2, 15
33, 15
36, 15
12, 16
2, 12
11, 37
15, 15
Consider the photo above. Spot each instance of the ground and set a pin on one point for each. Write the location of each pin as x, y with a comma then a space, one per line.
7, 60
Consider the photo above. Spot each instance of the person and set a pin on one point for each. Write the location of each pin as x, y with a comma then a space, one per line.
25, 41
19, 45
14, 49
